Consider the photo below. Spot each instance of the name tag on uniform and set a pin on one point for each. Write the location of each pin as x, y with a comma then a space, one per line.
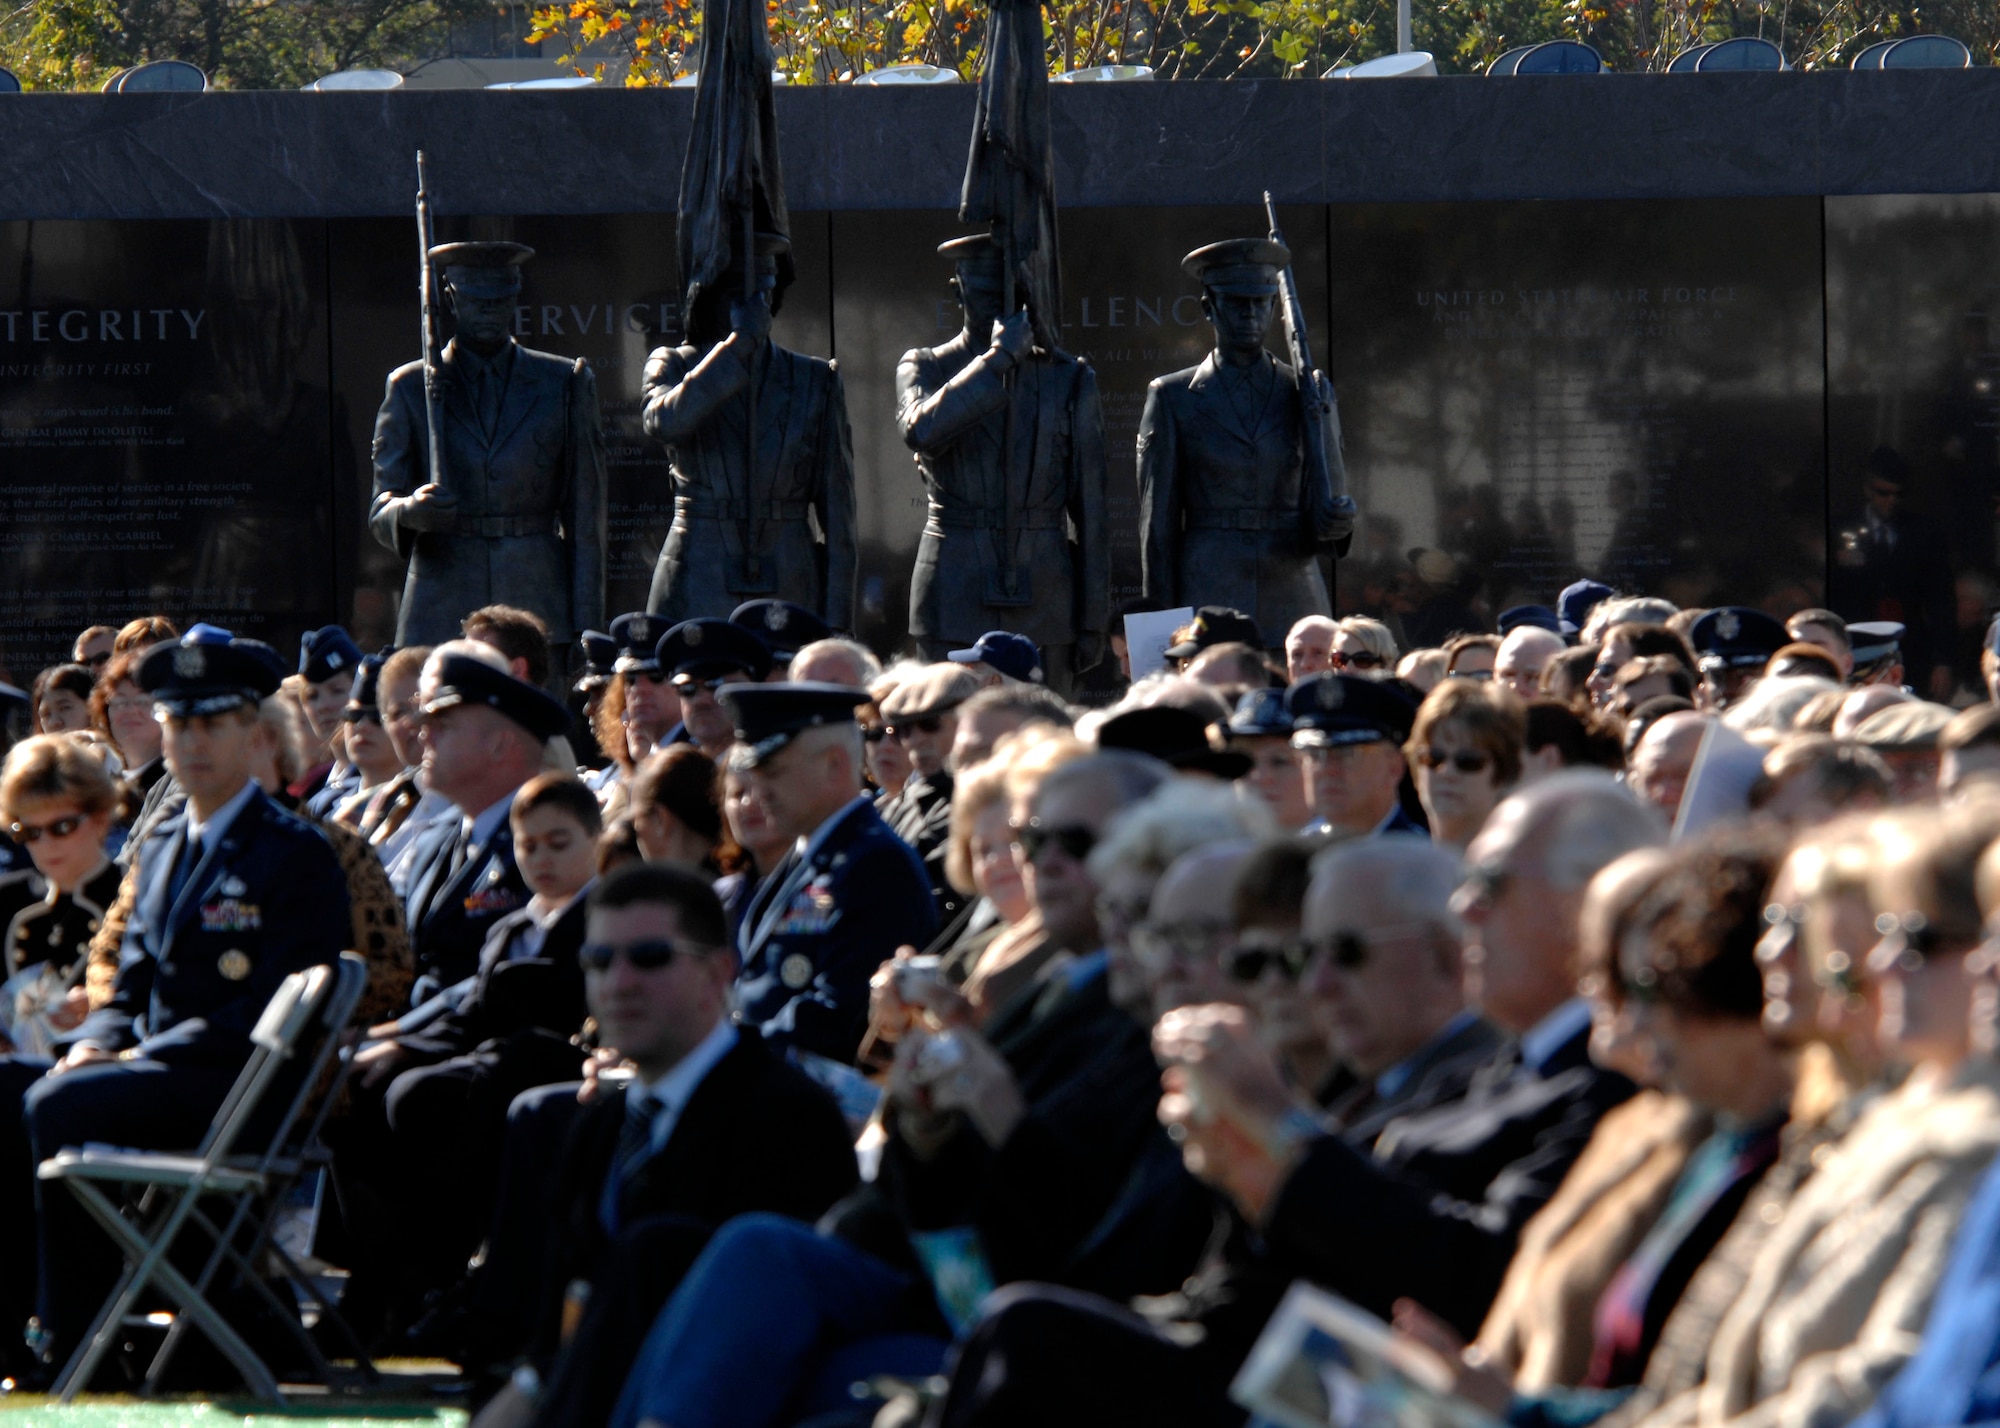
231, 915
811, 909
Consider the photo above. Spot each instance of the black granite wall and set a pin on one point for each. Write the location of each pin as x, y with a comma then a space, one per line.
619, 151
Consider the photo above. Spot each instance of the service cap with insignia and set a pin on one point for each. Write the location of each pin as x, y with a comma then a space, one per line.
1261, 714
209, 671
1330, 710
462, 679
1177, 737
600, 660
1242, 266
362, 704
769, 716
327, 652
709, 649
1874, 641
635, 635
1736, 637
784, 627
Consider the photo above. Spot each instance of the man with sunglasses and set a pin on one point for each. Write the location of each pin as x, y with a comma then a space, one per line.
921, 714
698, 658
1350, 733
848, 894
233, 895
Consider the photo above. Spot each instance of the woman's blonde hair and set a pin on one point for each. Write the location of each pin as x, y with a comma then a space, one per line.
48, 768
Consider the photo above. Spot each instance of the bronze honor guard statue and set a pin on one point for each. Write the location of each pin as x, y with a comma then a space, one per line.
1241, 484
507, 508
762, 458
1010, 440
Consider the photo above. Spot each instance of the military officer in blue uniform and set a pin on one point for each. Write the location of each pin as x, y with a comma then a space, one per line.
848, 894
484, 731
234, 894
648, 713
329, 662
784, 628
698, 658
1350, 733
1732, 645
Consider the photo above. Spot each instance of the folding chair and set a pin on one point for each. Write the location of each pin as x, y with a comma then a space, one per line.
299, 1033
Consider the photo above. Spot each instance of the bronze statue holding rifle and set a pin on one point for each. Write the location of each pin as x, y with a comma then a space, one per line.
489, 460
1007, 427
1241, 484
762, 459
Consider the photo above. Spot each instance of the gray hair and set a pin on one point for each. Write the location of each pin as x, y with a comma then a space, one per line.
1626, 610
1774, 703
1411, 879
1372, 633
866, 666
1586, 820
1036, 704
1177, 817
1130, 776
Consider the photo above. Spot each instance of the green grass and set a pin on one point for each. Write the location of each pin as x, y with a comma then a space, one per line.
132, 1413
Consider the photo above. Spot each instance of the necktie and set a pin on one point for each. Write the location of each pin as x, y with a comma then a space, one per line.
184, 867
635, 1137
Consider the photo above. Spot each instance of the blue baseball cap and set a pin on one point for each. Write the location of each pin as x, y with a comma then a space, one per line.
1541, 617
1015, 656
1574, 605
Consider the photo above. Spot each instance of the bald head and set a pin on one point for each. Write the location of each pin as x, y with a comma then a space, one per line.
1858, 706
1309, 647
835, 661
1523, 655
1377, 882
1664, 758
1190, 911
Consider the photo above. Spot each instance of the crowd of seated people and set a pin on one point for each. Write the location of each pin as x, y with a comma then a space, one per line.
757, 1035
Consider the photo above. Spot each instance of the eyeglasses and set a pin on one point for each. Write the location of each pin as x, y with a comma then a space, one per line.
873, 733
1466, 761
1350, 951
908, 727
56, 828
687, 687
646, 956
1032, 838
1160, 945
1249, 962
1469, 674
1606, 670
1121, 912
1363, 660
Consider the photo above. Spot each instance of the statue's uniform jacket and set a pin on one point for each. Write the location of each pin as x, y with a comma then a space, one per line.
528, 475
952, 414
1224, 511
805, 464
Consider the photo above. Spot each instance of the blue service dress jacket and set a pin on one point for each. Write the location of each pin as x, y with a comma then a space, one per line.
450, 909
821, 924
196, 970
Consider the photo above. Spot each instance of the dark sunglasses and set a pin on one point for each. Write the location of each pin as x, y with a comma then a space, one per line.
1470, 674
1466, 761
1346, 950
1249, 964
35, 832
646, 956
873, 734
1357, 661
651, 676
686, 686
908, 727
361, 716
1074, 839
1918, 936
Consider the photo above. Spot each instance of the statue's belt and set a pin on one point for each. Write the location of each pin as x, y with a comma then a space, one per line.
1240, 519
501, 527
687, 508
977, 518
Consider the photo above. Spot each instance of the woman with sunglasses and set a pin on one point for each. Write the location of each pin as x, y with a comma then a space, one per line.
59, 803
1465, 753
368, 747
1363, 647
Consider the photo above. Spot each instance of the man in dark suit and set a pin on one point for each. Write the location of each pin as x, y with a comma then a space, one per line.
921, 714
234, 895
1228, 513
483, 735
517, 514
712, 1125
848, 894
745, 527
954, 404
1350, 733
